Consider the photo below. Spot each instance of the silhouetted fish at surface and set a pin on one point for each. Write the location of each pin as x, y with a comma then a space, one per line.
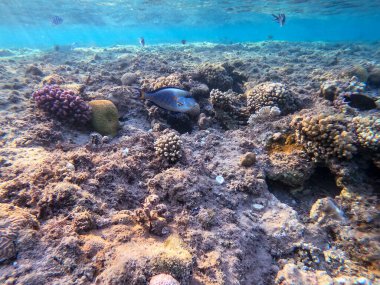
142, 41
173, 99
56, 20
280, 18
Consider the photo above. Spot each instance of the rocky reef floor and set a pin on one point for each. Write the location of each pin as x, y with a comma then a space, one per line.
276, 181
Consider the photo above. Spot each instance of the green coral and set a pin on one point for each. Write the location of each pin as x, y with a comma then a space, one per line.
105, 117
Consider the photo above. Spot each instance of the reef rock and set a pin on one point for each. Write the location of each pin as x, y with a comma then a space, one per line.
135, 262
14, 223
374, 78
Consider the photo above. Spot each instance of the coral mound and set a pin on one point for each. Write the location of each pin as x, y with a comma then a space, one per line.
271, 94
63, 104
105, 117
325, 136
215, 76
169, 146
163, 279
368, 132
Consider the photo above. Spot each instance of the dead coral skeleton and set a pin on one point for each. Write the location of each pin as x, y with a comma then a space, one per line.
153, 215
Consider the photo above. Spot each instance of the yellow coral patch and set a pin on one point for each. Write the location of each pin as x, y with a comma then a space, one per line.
105, 117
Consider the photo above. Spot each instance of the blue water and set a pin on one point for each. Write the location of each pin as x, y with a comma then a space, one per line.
101, 23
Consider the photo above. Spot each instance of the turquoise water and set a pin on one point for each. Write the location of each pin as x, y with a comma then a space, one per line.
101, 23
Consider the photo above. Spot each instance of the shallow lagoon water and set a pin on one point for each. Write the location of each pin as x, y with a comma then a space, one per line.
275, 181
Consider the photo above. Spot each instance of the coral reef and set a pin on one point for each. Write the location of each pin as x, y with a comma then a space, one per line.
374, 77
14, 224
242, 203
264, 114
163, 279
63, 104
228, 108
367, 130
358, 71
132, 260
172, 80
325, 136
154, 215
169, 146
215, 76
271, 94
105, 117
129, 78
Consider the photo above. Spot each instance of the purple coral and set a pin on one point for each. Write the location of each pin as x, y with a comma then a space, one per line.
63, 104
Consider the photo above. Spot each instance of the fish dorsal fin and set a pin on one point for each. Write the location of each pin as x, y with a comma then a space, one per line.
172, 87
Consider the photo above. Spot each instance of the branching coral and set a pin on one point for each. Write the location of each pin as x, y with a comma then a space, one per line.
63, 104
169, 146
325, 136
271, 94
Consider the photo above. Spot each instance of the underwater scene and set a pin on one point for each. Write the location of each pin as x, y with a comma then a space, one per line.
189, 142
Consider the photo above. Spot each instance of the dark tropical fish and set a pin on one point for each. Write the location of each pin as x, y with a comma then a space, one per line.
280, 18
142, 41
183, 42
56, 20
270, 37
173, 99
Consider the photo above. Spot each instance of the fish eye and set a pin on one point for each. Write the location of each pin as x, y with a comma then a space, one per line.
179, 104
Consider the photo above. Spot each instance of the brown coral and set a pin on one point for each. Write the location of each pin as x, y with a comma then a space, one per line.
215, 76
174, 80
169, 146
325, 136
271, 94
368, 132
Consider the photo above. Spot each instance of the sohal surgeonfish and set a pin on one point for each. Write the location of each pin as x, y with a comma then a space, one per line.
173, 99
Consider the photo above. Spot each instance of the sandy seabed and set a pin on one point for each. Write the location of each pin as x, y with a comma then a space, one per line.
272, 201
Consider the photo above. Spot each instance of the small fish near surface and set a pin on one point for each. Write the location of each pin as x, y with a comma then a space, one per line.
56, 20
280, 18
173, 99
142, 41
